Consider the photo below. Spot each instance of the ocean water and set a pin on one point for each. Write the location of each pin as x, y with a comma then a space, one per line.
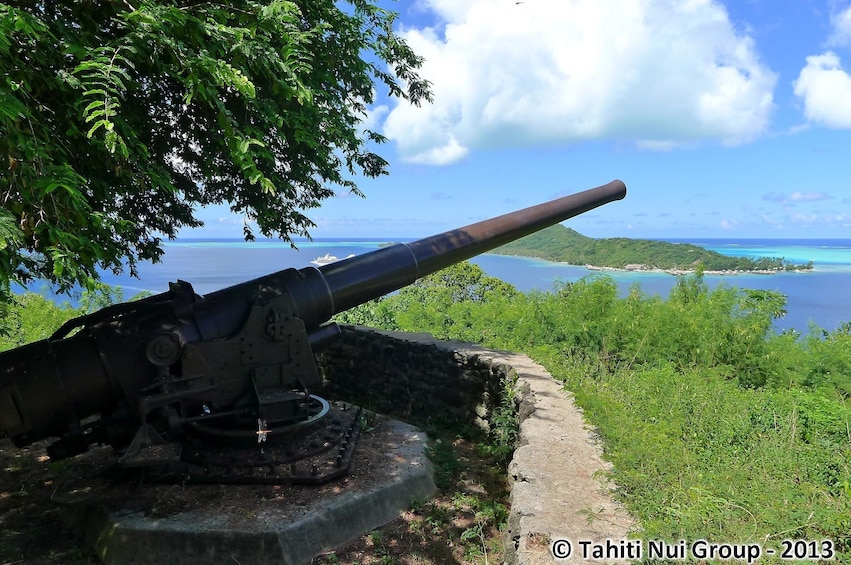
821, 297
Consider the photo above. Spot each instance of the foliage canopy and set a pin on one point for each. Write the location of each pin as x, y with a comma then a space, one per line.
117, 119
558, 243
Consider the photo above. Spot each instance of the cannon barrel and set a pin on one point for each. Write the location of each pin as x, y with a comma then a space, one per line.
354, 281
170, 359
318, 294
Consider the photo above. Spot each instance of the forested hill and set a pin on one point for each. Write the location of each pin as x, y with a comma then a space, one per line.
558, 243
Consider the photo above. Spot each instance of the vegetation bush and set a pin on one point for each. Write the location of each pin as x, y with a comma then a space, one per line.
558, 243
33, 316
717, 426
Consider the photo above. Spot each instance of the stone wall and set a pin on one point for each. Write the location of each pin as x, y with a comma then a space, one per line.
413, 377
557, 465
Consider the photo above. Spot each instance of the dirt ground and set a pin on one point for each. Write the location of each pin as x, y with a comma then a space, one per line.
459, 526
31, 529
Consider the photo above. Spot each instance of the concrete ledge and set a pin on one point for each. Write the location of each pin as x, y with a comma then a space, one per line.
557, 472
269, 531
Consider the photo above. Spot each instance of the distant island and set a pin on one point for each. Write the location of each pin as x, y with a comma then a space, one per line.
564, 245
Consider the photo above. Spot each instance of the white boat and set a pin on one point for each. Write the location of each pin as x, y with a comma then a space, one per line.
327, 259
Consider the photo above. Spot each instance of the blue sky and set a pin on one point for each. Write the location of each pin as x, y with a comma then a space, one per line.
724, 119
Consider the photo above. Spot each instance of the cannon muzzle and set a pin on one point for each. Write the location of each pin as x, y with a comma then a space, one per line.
360, 279
155, 370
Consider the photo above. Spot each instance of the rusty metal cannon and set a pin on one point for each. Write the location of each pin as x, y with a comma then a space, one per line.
164, 378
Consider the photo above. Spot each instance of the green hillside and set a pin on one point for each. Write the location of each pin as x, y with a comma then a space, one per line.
558, 243
716, 426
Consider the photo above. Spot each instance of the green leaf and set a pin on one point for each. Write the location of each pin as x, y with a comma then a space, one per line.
10, 106
267, 186
155, 111
92, 106
96, 126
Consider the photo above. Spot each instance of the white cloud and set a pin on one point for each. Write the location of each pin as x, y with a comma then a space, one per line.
832, 220
230, 220
769, 220
825, 88
373, 117
805, 219
369, 227
795, 197
841, 28
808, 196
440, 155
660, 73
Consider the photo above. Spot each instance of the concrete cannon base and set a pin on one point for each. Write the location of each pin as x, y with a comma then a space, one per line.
201, 524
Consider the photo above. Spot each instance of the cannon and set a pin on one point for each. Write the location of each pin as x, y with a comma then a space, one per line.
163, 378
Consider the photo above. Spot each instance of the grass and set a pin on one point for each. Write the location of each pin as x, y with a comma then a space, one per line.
696, 457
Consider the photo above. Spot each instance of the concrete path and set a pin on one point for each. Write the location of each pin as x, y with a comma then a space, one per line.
559, 490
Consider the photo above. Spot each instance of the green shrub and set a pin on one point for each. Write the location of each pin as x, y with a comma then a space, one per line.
717, 427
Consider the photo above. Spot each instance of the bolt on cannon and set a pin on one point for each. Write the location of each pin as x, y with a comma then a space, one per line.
194, 384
